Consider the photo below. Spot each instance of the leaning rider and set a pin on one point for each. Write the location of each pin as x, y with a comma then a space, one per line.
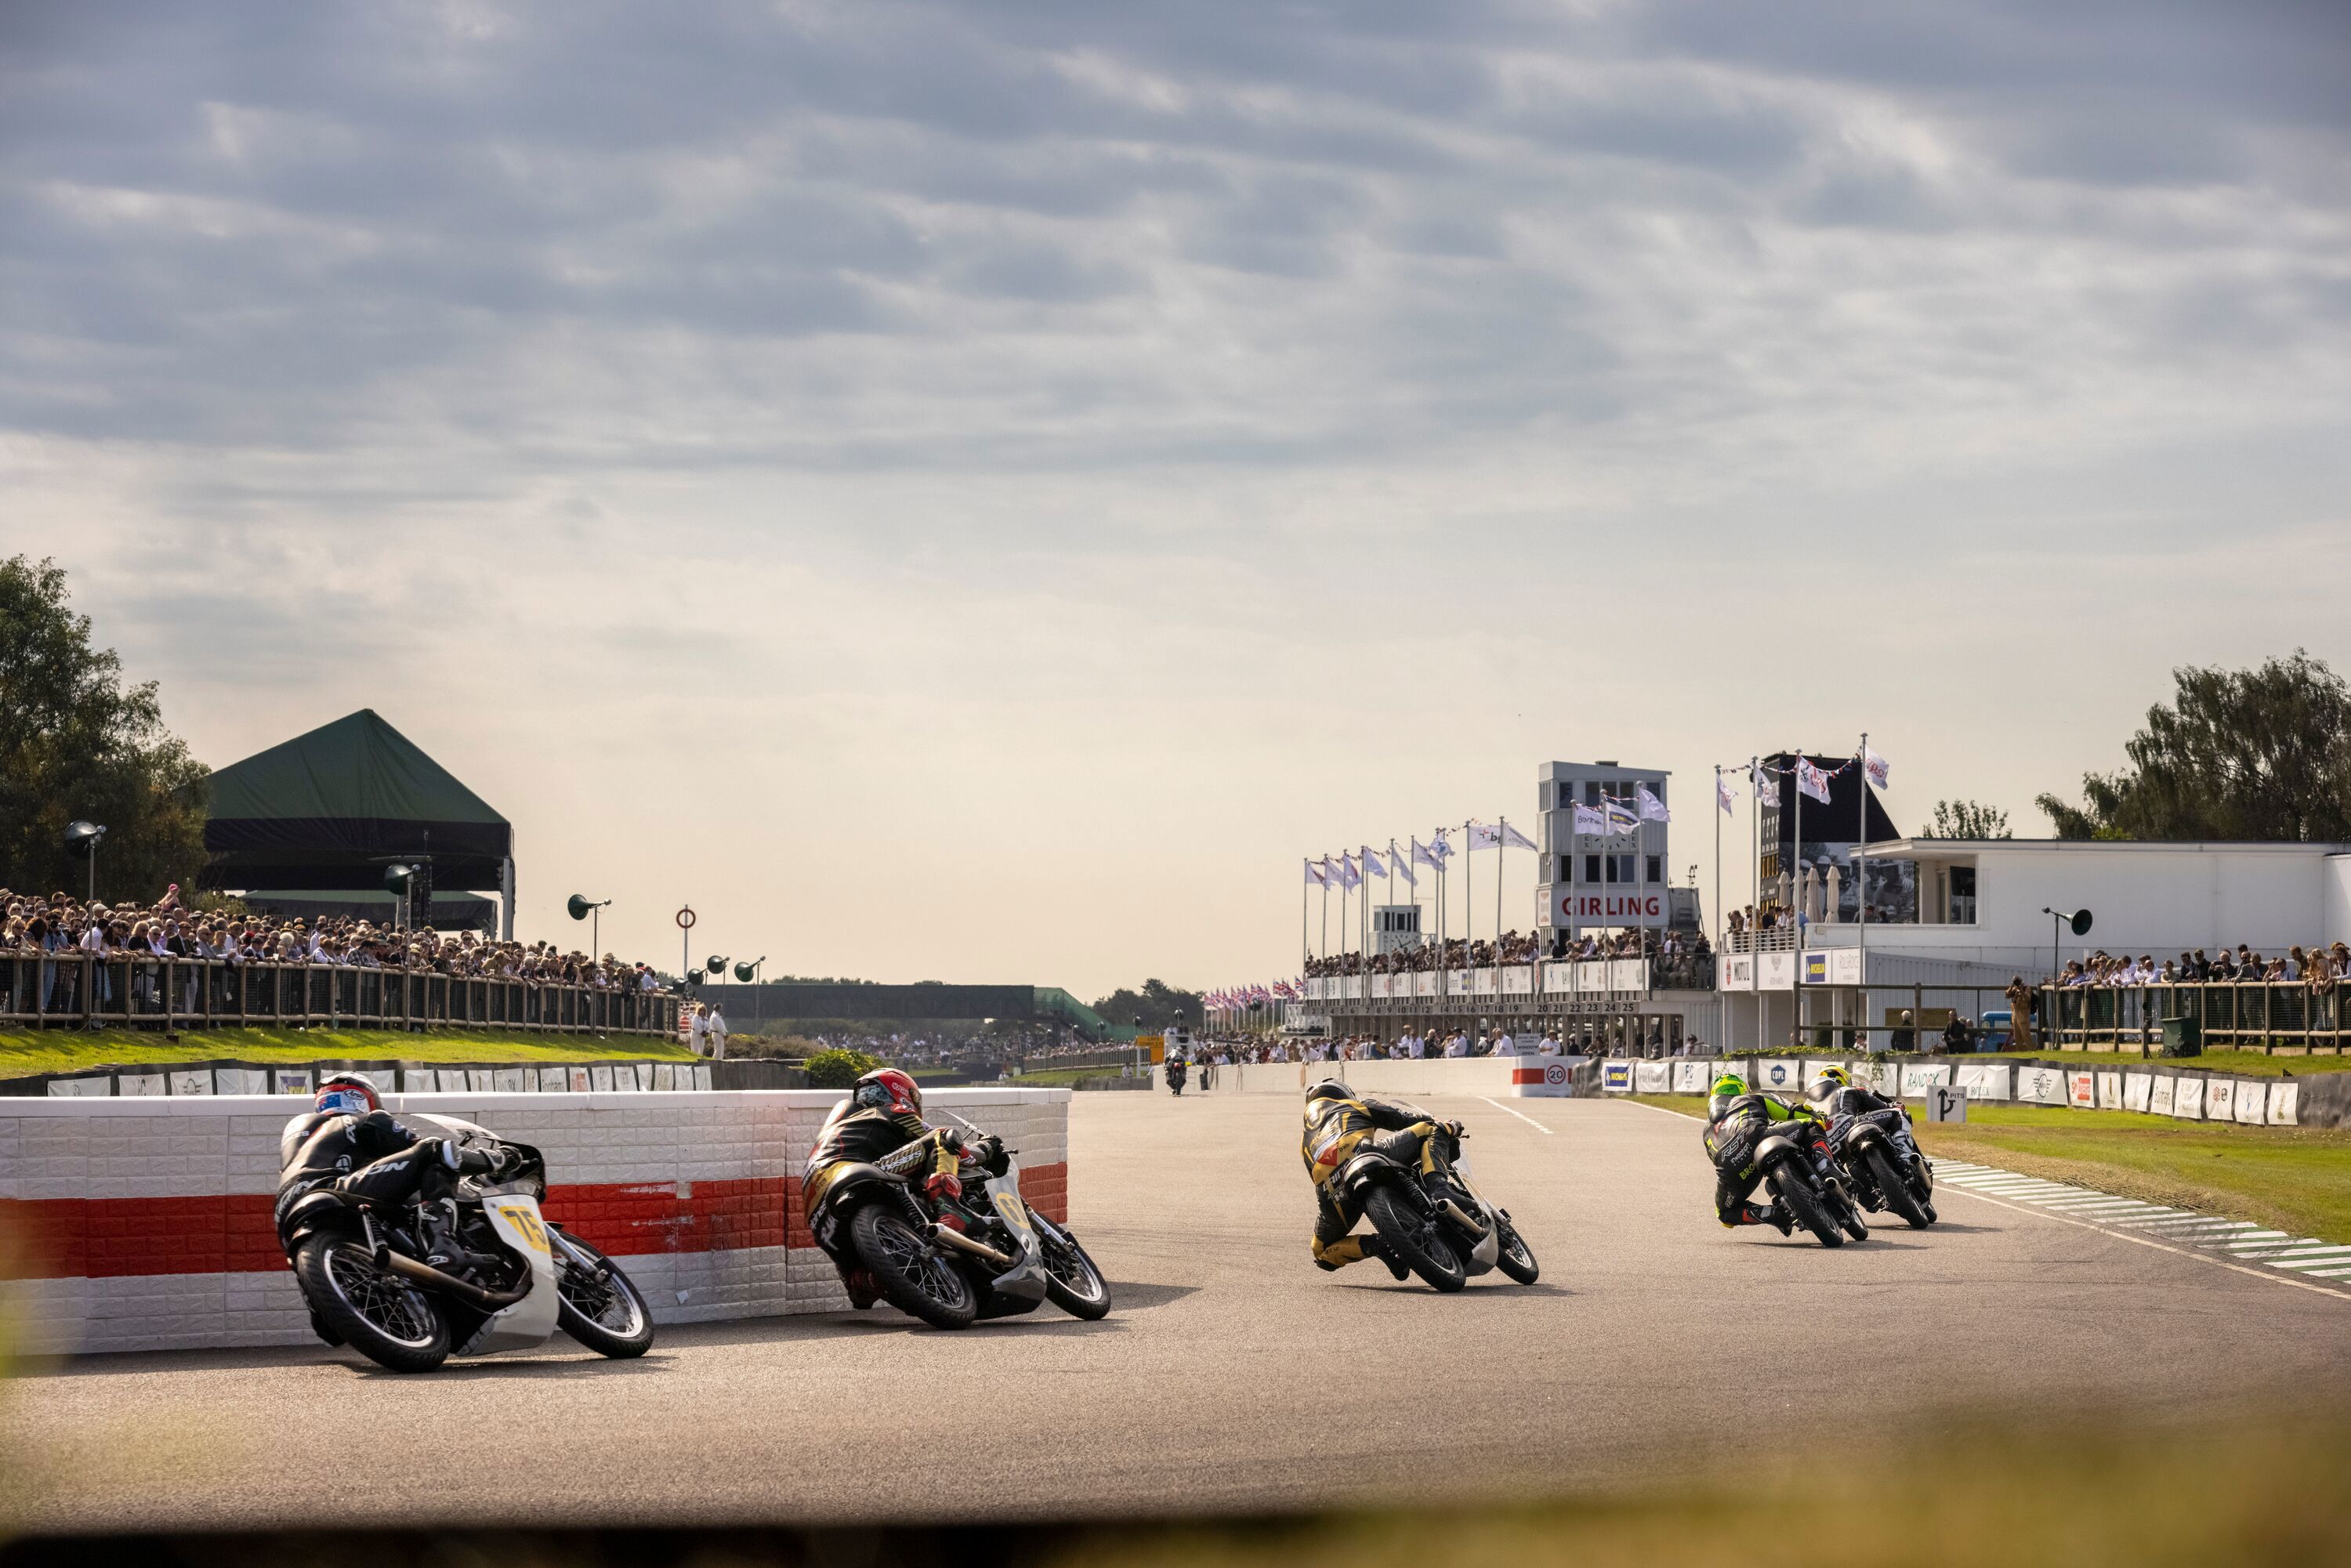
1833, 1094
348, 1138
1736, 1123
880, 1123
1337, 1123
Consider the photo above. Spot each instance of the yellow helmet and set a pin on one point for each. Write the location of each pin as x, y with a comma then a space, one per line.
1827, 1080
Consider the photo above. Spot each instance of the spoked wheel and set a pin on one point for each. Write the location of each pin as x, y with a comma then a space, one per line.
1802, 1202
1072, 1281
599, 1305
377, 1312
1516, 1259
914, 1278
1898, 1196
1417, 1240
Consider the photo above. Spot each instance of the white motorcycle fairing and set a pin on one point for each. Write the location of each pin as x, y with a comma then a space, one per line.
531, 1322
1025, 1279
1481, 1257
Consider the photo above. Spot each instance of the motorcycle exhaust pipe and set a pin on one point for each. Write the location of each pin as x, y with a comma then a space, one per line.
1461, 1217
464, 1290
951, 1237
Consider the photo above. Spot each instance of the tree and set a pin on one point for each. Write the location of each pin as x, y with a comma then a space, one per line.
2262, 755
1158, 1004
75, 742
1967, 820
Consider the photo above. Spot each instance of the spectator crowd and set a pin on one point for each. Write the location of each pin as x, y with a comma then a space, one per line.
1456, 953
2319, 967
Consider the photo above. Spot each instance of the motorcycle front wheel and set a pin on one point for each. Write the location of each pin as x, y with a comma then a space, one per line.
1072, 1281
1516, 1259
912, 1277
600, 1306
377, 1312
1805, 1204
1898, 1196
1416, 1240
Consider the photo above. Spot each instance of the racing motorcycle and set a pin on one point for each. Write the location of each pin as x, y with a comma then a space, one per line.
1816, 1197
1176, 1070
1438, 1224
1882, 1163
360, 1266
955, 1261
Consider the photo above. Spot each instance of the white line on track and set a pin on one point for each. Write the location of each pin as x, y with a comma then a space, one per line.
1521, 1115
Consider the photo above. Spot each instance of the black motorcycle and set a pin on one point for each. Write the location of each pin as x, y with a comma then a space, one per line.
1817, 1198
360, 1266
955, 1261
1436, 1222
1883, 1164
1176, 1070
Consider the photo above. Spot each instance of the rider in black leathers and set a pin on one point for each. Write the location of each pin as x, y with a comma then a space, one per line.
347, 1139
880, 1123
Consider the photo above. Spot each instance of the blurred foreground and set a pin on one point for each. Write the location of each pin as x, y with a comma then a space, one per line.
2107, 1493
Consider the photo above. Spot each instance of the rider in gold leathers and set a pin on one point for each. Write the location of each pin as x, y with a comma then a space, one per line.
1338, 1124
1736, 1123
880, 1123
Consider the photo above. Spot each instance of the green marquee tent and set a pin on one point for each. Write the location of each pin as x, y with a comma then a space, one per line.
329, 809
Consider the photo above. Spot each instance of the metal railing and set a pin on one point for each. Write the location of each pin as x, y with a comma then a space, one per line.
1777, 939
84, 990
2228, 1015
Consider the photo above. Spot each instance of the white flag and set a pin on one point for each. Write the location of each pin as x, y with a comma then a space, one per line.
1423, 855
1588, 819
1350, 875
1874, 766
1401, 866
1440, 847
1722, 794
1314, 875
1652, 809
1483, 836
1514, 839
1621, 816
1755, 777
1330, 873
1812, 780
1372, 866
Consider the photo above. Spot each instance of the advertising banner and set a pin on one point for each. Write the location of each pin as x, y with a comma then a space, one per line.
2110, 1090
1654, 1077
2041, 1085
1778, 1075
2138, 1087
2285, 1098
2158, 1099
1607, 906
1775, 971
1984, 1079
1916, 1079
2188, 1099
2082, 1091
2220, 1099
2251, 1100
1692, 1076
1735, 972
1617, 1077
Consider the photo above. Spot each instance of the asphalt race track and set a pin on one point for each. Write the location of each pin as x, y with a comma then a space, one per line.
1232, 1374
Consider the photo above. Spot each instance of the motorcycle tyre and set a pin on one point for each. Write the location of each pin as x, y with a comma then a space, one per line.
1525, 1273
899, 1287
1899, 1197
1855, 1224
1806, 1207
327, 1302
594, 1335
1068, 1299
1440, 1268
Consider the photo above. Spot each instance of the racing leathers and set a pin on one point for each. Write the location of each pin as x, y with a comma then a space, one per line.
377, 1157
899, 1143
1336, 1130
1732, 1141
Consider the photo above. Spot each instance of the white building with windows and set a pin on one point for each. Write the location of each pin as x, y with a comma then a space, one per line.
1604, 881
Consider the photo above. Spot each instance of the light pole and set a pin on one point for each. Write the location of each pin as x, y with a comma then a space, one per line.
81, 839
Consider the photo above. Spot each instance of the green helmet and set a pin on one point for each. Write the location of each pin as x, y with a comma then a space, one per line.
1727, 1088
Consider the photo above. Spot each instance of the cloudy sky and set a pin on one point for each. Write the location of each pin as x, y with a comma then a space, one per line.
978, 492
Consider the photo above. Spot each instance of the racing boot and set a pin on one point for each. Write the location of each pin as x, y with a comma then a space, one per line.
1376, 1246
443, 1251
862, 1290
1777, 1214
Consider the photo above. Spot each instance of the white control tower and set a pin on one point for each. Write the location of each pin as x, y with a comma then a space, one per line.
1601, 881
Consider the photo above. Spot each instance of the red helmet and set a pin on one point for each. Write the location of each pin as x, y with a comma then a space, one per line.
348, 1092
887, 1089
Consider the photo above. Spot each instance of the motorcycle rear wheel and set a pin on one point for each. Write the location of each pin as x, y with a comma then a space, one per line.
1516, 1259
376, 1313
1798, 1195
604, 1310
913, 1279
1898, 1196
1416, 1240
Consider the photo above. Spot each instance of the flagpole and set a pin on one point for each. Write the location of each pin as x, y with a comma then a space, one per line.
1501, 849
1305, 950
1719, 927
1469, 890
1754, 909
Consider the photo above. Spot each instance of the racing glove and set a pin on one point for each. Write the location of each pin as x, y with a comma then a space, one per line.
943, 1188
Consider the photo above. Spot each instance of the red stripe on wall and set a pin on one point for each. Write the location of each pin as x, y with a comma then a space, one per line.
109, 1238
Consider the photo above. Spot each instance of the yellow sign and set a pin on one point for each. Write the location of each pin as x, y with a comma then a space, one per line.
1156, 1044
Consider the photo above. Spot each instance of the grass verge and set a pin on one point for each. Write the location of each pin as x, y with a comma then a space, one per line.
2295, 1179
27, 1051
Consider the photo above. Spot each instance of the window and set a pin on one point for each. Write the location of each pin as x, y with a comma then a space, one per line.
1567, 868
1963, 895
1656, 869
1543, 798
1592, 869
1612, 861
1623, 871
1591, 791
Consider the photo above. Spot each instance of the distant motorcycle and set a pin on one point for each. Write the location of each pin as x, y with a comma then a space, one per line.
360, 1266
1176, 1070
1881, 1162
